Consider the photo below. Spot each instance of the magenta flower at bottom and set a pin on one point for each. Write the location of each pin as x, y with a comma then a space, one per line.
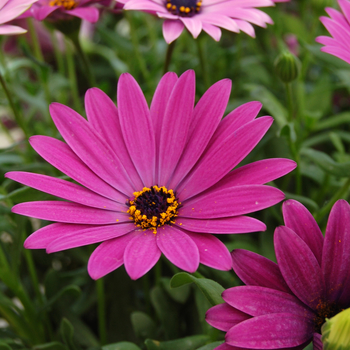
154, 180
284, 306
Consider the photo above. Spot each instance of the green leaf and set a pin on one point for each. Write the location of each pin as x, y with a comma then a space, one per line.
289, 131
188, 343
67, 332
4, 346
211, 289
326, 163
143, 325
270, 103
333, 121
55, 345
124, 345
179, 294
72, 290
210, 346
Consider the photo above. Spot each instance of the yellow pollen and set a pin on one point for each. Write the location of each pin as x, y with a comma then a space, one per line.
187, 10
182, 8
67, 4
173, 7
145, 202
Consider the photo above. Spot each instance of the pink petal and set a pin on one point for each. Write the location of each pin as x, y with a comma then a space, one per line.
338, 52
211, 30
212, 252
90, 14
42, 12
256, 270
300, 220
220, 20
90, 147
273, 331
246, 27
257, 301
172, 30
237, 224
317, 342
7, 29
143, 5
141, 254
137, 128
224, 317
193, 25
69, 212
344, 6
299, 267
65, 190
178, 247
108, 256
336, 250
222, 156
232, 201
97, 103
64, 159
206, 117
175, 126
89, 235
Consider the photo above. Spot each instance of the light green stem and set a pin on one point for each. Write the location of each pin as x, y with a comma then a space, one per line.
203, 63
169, 53
101, 305
58, 53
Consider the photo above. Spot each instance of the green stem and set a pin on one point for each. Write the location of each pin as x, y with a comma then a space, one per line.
58, 53
203, 63
289, 97
169, 53
18, 116
136, 45
39, 56
339, 194
72, 77
85, 60
296, 157
101, 305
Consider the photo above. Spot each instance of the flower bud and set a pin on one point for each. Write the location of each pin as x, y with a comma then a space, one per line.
335, 332
287, 67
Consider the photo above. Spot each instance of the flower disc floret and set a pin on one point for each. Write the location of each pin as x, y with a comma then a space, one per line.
67, 4
153, 207
183, 8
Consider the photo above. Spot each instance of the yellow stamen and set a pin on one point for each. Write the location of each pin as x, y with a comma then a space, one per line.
67, 4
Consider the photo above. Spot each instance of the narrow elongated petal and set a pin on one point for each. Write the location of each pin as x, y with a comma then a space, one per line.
178, 247
7, 29
336, 249
137, 127
64, 159
65, 190
224, 317
257, 301
237, 224
213, 31
293, 214
273, 331
206, 117
89, 14
232, 201
69, 213
317, 342
89, 235
299, 267
97, 103
90, 148
212, 252
141, 254
193, 25
172, 30
175, 126
217, 160
256, 270
108, 256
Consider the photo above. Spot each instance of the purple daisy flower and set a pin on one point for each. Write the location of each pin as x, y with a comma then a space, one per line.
207, 15
10, 10
284, 306
155, 180
65, 9
338, 26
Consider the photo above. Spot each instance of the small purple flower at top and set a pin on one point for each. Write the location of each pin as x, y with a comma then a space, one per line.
65, 9
338, 26
284, 305
207, 15
155, 180
10, 10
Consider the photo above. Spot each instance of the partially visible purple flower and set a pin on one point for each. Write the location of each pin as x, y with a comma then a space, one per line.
10, 10
65, 9
338, 26
284, 306
156, 180
207, 15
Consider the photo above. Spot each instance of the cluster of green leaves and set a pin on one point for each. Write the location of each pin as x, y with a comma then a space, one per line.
48, 302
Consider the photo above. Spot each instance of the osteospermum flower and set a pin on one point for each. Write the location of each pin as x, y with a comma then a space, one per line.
10, 10
338, 26
65, 9
207, 15
284, 306
155, 180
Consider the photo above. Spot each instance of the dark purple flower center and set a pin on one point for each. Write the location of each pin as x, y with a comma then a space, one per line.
183, 8
153, 207
324, 310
